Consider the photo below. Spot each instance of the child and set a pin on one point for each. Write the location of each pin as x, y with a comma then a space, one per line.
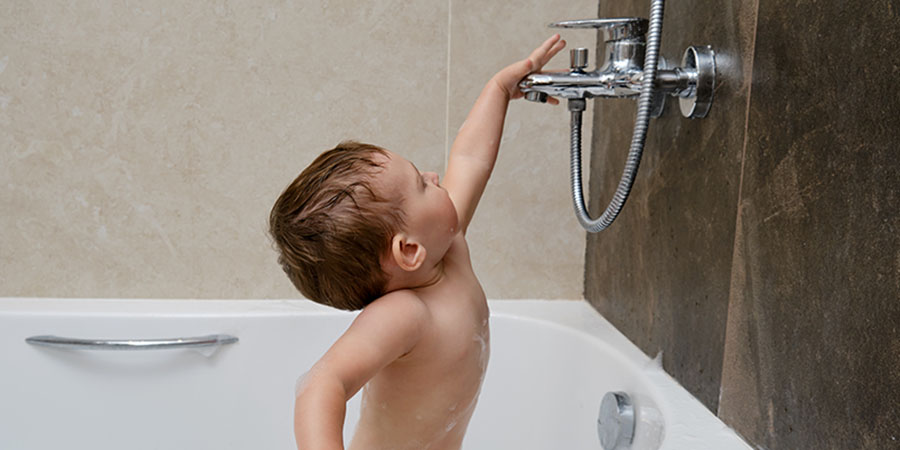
361, 227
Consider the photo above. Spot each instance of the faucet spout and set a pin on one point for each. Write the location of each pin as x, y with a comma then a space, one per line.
622, 78
620, 75
584, 84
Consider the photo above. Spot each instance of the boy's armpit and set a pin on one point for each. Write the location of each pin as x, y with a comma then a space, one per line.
385, 330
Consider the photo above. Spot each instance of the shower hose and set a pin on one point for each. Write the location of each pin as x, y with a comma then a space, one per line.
576, 107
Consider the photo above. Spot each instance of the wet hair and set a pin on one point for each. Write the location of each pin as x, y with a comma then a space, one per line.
331, 228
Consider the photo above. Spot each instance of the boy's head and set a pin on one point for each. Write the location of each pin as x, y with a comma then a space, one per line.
331, 225
356, 215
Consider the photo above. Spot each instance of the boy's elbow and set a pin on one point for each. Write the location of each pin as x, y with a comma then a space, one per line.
319, 386
319, 410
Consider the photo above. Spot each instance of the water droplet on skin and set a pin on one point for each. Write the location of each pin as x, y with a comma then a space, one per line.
450, 426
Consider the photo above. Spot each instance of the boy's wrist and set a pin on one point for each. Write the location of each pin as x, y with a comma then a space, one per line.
506, 85
508, 78
497, 84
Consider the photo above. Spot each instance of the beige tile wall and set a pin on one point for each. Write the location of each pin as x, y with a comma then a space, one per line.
143, 143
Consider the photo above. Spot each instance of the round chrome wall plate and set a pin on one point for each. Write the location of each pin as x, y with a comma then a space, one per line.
696, 104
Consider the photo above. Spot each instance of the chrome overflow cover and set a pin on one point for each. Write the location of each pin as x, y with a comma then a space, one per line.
615, 424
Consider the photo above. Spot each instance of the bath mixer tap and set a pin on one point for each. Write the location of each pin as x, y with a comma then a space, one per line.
622, 72
620, 75
632, 68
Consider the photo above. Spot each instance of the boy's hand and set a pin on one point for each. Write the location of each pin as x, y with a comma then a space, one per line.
508, 78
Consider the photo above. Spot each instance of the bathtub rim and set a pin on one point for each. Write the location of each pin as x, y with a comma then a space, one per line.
679, 408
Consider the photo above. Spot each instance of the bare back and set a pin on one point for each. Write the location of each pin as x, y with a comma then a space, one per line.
425, 398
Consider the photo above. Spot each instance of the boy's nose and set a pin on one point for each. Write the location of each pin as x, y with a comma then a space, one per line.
433, 177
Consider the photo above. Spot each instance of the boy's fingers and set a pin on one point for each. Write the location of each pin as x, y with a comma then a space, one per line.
550, 42
559, 45
538, 53
547, 51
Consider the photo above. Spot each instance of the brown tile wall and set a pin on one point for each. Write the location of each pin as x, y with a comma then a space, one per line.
661, 273
760, 250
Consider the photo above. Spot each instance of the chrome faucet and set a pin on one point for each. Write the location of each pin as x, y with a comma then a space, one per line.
622, 71
633, 68
620, 75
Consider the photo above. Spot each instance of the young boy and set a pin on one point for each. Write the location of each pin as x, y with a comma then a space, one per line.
361, 227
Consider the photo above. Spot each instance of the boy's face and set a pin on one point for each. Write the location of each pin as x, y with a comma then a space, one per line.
430, 214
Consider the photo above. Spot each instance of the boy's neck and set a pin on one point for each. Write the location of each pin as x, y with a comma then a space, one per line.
422, 278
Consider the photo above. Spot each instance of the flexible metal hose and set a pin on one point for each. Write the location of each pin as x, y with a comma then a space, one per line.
651, 59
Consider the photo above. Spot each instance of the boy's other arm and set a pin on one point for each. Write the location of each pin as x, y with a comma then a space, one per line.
385, 330
474, 150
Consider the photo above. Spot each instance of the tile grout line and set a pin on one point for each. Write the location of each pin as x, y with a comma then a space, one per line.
447, 96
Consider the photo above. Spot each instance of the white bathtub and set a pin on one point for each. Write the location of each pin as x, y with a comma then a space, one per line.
551, 363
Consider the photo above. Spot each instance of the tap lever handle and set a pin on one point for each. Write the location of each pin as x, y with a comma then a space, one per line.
615, 28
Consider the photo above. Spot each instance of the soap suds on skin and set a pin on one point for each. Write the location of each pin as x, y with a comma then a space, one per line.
300, 384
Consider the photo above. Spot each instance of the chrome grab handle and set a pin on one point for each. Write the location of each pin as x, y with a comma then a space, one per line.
213, 340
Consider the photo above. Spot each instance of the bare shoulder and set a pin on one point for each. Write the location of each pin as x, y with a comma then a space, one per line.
402, 309
399, 299
385, 330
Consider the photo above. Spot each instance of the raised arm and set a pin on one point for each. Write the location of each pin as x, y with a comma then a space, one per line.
385, 330
474, 151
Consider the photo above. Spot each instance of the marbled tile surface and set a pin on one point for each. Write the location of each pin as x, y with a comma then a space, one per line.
812, 351
760, 250
143, 144
661, 272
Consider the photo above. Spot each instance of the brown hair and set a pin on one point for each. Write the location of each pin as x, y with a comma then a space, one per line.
331, 228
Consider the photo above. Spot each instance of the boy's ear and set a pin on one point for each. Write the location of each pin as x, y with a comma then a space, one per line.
408, 254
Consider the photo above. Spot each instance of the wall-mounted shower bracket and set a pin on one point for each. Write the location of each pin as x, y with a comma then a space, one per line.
632, 68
